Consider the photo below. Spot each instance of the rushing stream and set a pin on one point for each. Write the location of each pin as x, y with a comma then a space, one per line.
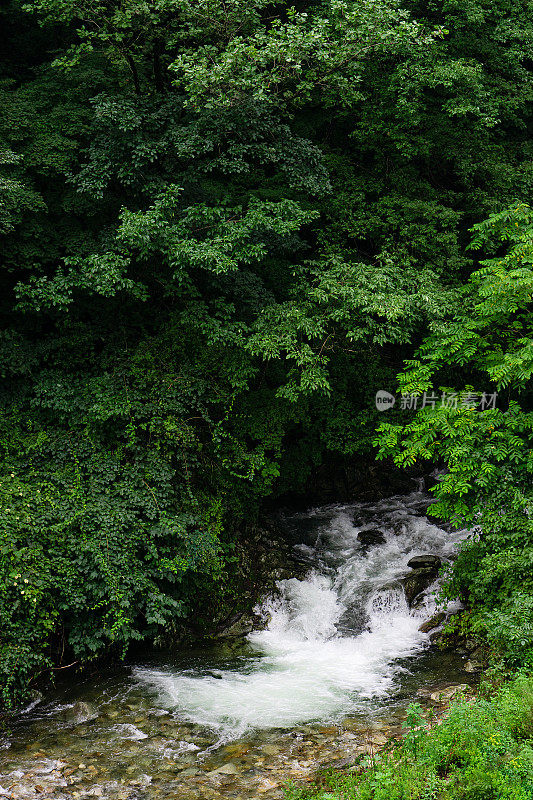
337, 660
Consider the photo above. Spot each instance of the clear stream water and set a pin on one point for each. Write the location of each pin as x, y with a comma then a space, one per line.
339, 657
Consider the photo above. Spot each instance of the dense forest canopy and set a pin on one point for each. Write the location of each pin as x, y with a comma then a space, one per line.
224, 226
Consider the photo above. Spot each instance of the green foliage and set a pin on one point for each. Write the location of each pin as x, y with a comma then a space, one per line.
93, 550
15, 198
481, 750
224, 227
488, 454
301, 56
414, 728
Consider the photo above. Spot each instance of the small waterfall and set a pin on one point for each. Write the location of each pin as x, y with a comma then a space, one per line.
385, 603
308, 609
333, 639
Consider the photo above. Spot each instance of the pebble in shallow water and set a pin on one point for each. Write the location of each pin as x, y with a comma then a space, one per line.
257, 766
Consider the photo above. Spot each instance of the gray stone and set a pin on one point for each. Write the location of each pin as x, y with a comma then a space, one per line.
79, 713
379, 739
424, 561
270, 749
433, 622
447, 693
418, 580
237, 627
225, 769
371, 536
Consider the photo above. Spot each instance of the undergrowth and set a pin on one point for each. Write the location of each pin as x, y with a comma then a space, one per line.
481, 750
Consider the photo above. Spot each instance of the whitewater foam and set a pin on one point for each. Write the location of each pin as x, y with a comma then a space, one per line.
333, 640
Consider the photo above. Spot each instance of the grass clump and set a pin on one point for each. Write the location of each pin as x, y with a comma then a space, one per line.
481, 750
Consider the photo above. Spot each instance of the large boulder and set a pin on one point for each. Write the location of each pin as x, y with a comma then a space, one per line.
424, 570
371, 536
424, 561
237, 626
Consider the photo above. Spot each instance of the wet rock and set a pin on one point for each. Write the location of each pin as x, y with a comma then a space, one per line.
478, 654
270, 749
131, 733
142, 780
371, 536
433, 622
379, 739
418, 580
180, 765
237, 626
225, 769
35, 699
367, 749
79, 713
240, 749
425, 561
473, 666
420, 602
439, 639
448, 693
266, 785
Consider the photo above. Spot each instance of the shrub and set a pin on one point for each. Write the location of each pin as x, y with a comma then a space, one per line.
481, 750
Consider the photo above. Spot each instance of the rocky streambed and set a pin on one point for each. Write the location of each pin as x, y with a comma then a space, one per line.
322, 683
153, 755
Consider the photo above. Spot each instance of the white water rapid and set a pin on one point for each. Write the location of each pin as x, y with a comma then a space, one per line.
334, 639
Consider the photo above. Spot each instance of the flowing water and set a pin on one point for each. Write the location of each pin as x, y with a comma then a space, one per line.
338, 658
